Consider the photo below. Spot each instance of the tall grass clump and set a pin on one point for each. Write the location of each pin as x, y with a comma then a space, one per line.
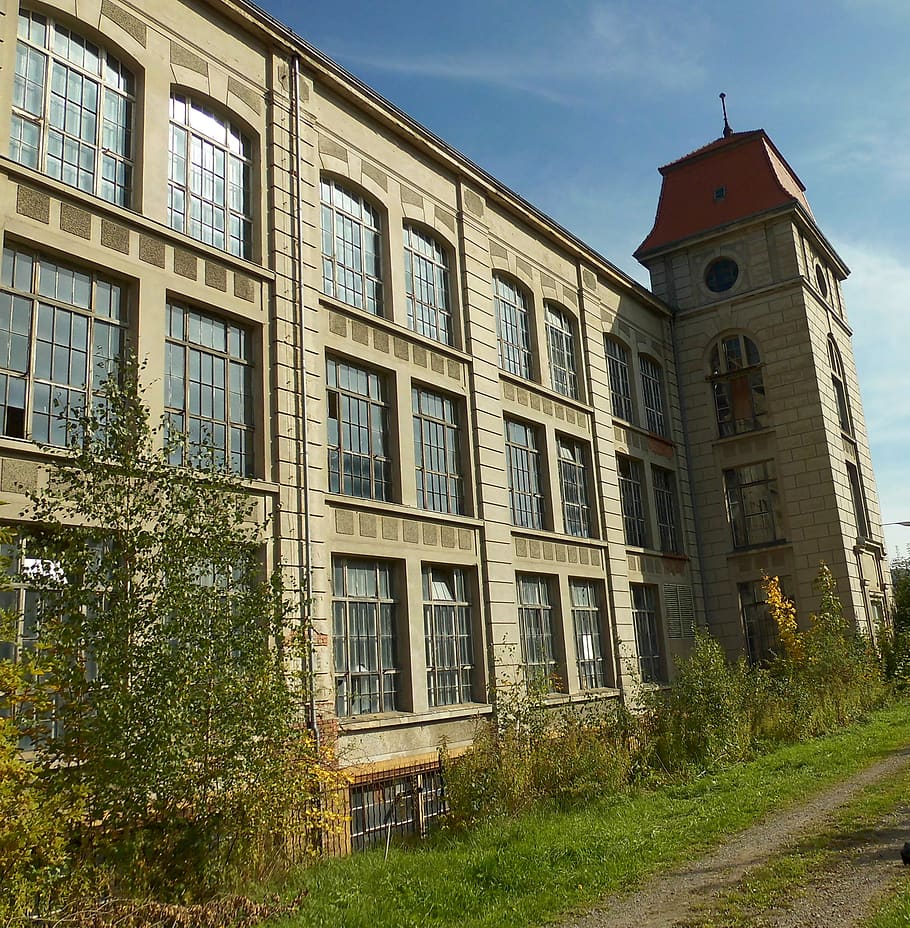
714, 714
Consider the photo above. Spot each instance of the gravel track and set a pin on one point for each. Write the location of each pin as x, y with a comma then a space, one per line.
841, 897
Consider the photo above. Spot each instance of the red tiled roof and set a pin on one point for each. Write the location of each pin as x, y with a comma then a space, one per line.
747, 165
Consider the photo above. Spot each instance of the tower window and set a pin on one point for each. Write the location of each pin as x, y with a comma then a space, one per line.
720, 193
721, 274
822, 281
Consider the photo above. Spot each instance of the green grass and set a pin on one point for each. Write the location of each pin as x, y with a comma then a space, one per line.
790, 874
528, 870
894, 912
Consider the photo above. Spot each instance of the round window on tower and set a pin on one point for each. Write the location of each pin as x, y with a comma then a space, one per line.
822, 281
721, 274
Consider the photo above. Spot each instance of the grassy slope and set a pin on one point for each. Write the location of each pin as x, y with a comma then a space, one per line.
525, 871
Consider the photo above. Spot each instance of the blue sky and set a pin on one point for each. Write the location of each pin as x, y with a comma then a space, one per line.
575, 104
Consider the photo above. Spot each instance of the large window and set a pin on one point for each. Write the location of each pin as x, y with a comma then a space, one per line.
72, 110
652, 393
364, 608
358, 432
739, 392
447, 632
513, 328
526, 496
620, 382
426, 272
209, 195
762, 639
535, 620
586, 617
576, 512
62, 332
440, 486
667, 510
858, 496
840, 388
351, 248
751, 497
647, 633
208, 388
561, 346
631, 497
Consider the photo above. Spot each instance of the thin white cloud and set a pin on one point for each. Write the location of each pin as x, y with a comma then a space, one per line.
878, 301
608, 42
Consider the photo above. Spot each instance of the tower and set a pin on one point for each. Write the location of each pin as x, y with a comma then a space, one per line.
780, 464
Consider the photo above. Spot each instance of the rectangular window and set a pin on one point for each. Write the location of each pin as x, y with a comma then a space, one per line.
440, 486
523, 460
634, 520
620, 382
402, 805
859, 501
447, 632
561, 345
762, 641
574, 487
358, 432
587, 620
647, 634
652, 392
513, 328
62, 334
751, 492
208, 389
667, 510
364, 607
535, 620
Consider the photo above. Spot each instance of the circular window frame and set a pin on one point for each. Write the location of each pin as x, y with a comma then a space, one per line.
721, 274
821, 280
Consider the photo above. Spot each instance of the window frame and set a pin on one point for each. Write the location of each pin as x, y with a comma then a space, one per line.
359, 273
561, 330
666, 509
619, 374
524, 463
839, 384
759, 629
652, 395
630, 476
446, 451
573, 486
512, 308
737, 385
455, 662
649, 644
430, 312
238, 354
61, 317
588, 622
761, 490
379, 633
378, 408
113, 81
537, 630
236, 150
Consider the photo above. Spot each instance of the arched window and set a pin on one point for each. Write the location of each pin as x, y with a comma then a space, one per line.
840, 387
736, 378
426, 271
561, 346
208, 195
620, 381
652, 394
72, 110
513, 328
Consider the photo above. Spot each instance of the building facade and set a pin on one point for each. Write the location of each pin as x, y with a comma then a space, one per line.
479, 444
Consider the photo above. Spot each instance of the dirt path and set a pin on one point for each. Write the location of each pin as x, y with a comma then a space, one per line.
866, 869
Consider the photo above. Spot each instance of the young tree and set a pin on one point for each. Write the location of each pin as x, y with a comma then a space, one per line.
176, 704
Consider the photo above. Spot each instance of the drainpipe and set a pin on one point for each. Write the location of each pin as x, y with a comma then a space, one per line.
306, 543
